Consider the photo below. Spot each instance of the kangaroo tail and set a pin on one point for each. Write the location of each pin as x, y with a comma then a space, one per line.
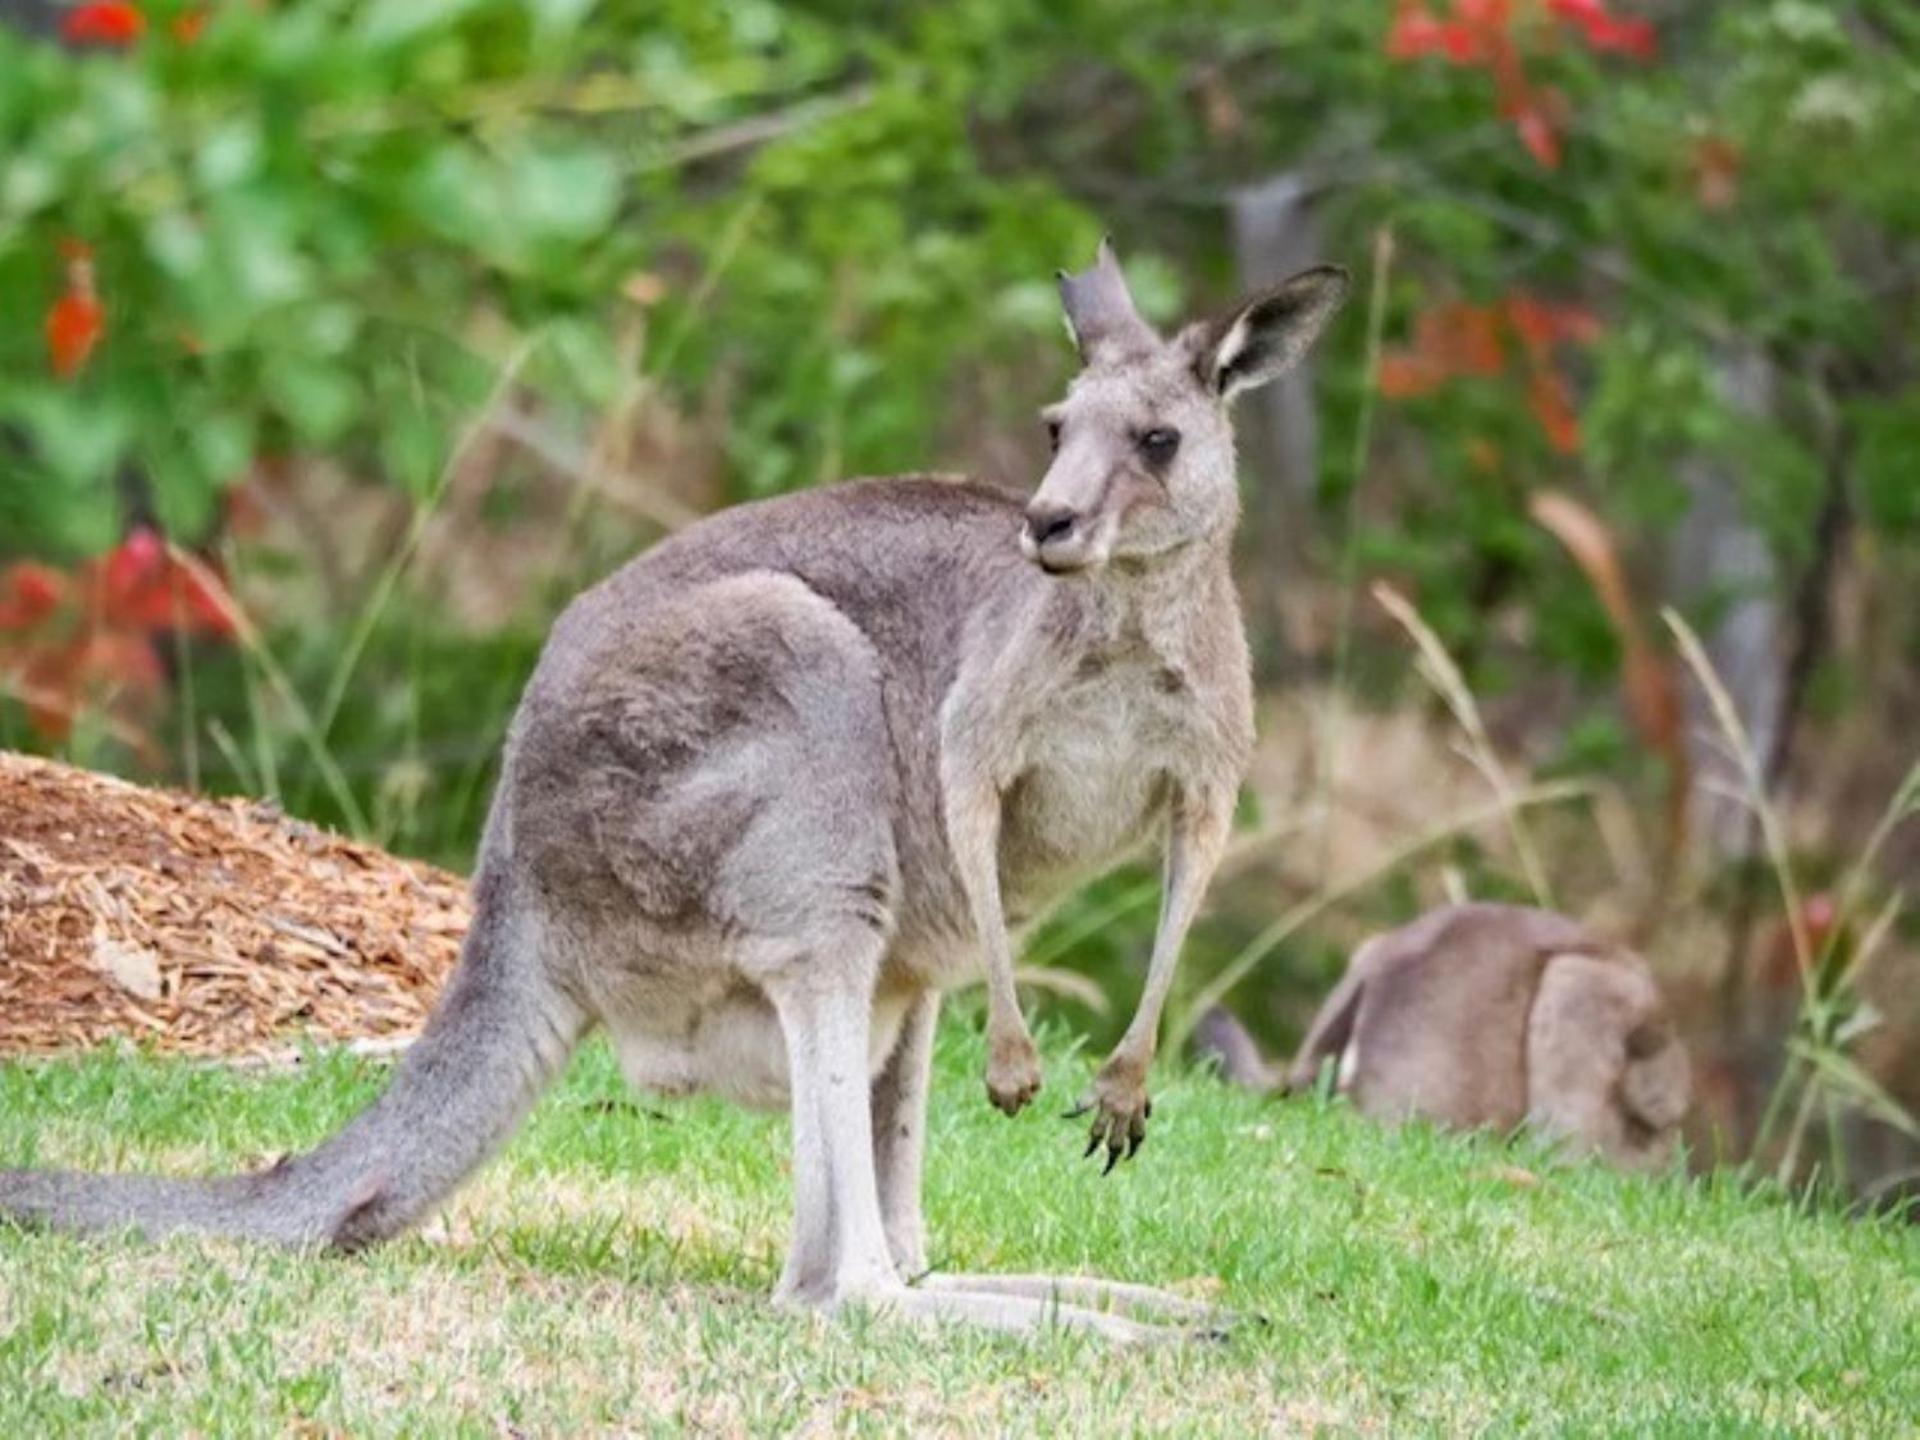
1332, 1028
500, 1032
1220, 1036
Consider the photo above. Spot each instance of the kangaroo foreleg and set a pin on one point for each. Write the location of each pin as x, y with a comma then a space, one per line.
1196, 836
973, 829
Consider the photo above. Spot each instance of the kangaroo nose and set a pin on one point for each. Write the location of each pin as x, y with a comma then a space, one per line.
1047, 523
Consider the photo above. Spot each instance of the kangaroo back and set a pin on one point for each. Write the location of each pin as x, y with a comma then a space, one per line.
498, 1035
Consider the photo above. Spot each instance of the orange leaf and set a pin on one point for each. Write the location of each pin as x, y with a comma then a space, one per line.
59, 682
1403, 375
1538, 135
1552, 406
1716, 172
74, 326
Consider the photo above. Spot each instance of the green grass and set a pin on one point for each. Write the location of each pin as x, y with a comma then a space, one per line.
610, 1274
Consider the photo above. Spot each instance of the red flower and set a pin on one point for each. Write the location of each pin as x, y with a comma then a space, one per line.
102, 666
105, 22
28, 594
1448, 340
1577, 12
77, 319
140, 586
62, 659
1628, 37
1485, 33
1606, 31
1465, 40
1464, 339
1414, 33
1403, 375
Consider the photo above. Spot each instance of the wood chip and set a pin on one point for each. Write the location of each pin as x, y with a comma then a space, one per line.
204, 927
134, 966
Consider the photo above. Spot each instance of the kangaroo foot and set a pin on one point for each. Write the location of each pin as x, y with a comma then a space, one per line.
1189, 1319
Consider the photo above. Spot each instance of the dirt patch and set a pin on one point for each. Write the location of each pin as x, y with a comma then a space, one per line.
204, 927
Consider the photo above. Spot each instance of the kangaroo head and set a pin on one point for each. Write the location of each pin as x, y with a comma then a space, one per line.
1142, 445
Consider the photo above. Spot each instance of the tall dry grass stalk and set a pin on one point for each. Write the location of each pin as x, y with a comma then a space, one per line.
391, 573
1832, 1015
1505, 808
1753, 781
1647, 676
254, 646
1438, 669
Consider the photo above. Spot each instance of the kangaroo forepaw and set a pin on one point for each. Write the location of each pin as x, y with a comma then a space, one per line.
1120, 1109
1013, 1073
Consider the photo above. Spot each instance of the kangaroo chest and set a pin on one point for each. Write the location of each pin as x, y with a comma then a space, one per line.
1099, 761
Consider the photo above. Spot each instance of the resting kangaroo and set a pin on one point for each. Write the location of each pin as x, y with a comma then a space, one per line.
1497, 1014
788, 776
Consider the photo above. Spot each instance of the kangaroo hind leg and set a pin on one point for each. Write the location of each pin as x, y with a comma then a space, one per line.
840, 1253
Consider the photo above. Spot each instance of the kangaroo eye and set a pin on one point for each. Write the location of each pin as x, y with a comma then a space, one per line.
1053, 435
1158, 445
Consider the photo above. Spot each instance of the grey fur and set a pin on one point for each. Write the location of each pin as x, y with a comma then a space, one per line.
1497, 1015
781, 781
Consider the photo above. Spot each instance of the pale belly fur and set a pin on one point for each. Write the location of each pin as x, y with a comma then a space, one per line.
733, 1049
1094, 788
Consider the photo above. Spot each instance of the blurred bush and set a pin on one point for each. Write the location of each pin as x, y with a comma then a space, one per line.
243, 232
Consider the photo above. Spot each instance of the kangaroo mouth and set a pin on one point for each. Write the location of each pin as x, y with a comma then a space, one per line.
1063, 557
1065, 565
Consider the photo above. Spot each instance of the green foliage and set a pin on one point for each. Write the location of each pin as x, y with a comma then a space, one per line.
325, 230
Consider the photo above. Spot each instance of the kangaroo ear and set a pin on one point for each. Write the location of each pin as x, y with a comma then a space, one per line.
1100, 310
1267, 335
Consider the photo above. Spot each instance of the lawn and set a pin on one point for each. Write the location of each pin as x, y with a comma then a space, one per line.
609, 1273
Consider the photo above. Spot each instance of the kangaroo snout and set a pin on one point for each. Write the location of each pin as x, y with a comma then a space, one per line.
1047, 523
1056, 537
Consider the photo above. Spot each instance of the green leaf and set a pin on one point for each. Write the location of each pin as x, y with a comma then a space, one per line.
412, 450
223, 443
393, 22
319, 398
73, 434
183, 494
564, 194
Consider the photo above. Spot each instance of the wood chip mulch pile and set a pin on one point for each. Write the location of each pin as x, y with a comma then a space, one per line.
204, 927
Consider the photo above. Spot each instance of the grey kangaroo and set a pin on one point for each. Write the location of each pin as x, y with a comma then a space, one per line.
784, 779
1497, 1015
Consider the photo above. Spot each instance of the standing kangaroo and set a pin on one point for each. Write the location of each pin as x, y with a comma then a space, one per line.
787, 777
